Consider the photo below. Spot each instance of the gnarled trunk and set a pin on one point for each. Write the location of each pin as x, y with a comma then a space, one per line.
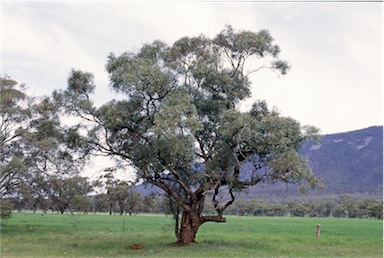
190, 223
191, 210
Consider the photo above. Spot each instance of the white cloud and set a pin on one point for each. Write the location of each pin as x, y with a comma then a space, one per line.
41, 51
335, 81
334, 49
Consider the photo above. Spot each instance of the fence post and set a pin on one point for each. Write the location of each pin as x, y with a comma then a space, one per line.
318, 230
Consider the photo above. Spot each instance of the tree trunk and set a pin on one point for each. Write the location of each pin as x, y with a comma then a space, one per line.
121, 207
190, 223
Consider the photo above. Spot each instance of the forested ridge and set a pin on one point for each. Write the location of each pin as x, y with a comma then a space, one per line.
350, 162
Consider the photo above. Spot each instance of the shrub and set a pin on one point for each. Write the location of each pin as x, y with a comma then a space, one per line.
6, 208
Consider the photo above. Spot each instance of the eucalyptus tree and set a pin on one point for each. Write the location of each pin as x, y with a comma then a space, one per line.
118, 193
179, 123
70, 193
14, 113
52, 154
35, 146
134, 202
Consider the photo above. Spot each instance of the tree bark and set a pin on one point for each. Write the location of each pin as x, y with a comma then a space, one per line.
191, 218
190, 223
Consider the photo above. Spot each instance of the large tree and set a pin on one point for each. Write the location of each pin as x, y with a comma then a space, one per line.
179, 125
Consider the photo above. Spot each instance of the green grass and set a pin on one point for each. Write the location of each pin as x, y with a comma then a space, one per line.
54, 235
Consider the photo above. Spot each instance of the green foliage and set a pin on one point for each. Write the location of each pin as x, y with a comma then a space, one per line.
6, 208
14, 117
81, 83
36, 150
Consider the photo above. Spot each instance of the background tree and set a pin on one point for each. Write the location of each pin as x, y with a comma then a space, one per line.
36, 148
180, 127
6, 208
100, 203
14, 117
52, 154
120, 195
150, 201
133, 202
118, 192
70, 193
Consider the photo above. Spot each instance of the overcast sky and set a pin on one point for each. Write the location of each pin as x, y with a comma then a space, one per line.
335, 49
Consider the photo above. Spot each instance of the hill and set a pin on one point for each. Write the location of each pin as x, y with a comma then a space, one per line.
348, 163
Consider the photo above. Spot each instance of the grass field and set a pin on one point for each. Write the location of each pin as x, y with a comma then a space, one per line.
54, 235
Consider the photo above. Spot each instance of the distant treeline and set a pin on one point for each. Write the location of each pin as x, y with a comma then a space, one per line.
344, 207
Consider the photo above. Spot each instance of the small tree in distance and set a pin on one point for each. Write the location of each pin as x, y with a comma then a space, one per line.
179, 125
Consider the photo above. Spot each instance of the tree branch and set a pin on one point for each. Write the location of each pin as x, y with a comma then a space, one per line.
169, 191
258, 69
218, 219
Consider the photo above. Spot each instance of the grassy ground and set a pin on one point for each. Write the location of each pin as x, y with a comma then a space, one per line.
54, 235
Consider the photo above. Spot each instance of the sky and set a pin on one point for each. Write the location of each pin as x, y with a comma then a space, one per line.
334, 48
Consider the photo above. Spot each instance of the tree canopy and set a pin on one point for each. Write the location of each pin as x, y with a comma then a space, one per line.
13, 113
180, 127
35, 148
